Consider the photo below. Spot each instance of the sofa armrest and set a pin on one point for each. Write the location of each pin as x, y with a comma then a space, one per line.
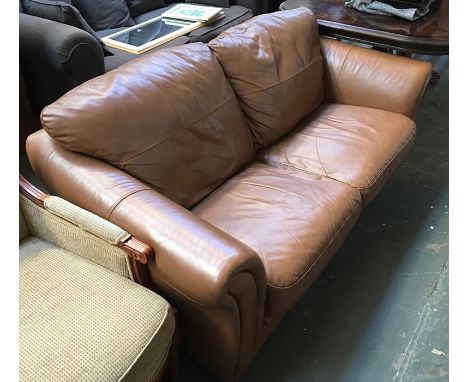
196, 258
257, 6
216, 282
55, 58
81, 232
366, 77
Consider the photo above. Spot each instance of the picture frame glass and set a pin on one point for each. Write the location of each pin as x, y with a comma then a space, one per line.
148, 32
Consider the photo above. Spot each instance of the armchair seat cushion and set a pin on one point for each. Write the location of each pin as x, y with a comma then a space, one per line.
80, 321
359, 146
294, 221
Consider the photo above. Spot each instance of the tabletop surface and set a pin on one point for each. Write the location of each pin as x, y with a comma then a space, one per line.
434, 26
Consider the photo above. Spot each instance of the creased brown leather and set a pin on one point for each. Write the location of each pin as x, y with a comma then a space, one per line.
169, 118
366, 77
245, 254
217, 282
355, 145
291, 219
274, 64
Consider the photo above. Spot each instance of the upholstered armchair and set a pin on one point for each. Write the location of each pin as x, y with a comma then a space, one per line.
82, 314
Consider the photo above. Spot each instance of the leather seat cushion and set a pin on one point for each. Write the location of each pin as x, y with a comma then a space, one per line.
294, 221
355, 145
274, 64
169, 118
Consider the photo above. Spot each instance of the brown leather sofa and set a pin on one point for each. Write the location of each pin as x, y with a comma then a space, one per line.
244, 162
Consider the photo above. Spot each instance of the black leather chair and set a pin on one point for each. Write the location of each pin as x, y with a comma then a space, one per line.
56, 57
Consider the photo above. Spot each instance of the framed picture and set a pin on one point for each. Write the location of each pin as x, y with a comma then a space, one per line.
150, 34
192, 12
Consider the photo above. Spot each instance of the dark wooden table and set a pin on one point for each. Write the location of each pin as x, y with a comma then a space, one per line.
428, 35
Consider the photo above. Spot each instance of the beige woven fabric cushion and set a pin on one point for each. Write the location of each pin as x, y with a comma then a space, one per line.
85, 220
80, 237
23, 226
81, 322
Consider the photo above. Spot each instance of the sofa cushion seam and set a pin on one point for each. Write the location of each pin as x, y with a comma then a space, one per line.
344, 62
405, 144
182, 127
282, 81
292, 167
116, 204
320, 256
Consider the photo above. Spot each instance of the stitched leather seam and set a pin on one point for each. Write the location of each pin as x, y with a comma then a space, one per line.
182, 127
42, 171
318, 157
390, 161
318, 258
292, 167
339, 230
239, 345
210, 307
210, 112
283, 81
344, 62
159, 277
114, 206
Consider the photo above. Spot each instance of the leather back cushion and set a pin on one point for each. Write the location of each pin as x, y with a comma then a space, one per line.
169, 118
105, 14
274, 64
138, 7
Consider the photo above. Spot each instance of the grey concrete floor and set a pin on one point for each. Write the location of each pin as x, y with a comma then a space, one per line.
379, 312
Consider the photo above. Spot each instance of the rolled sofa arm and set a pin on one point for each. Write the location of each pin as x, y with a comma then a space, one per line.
366, 77
55, 58
190, 251
217, 282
